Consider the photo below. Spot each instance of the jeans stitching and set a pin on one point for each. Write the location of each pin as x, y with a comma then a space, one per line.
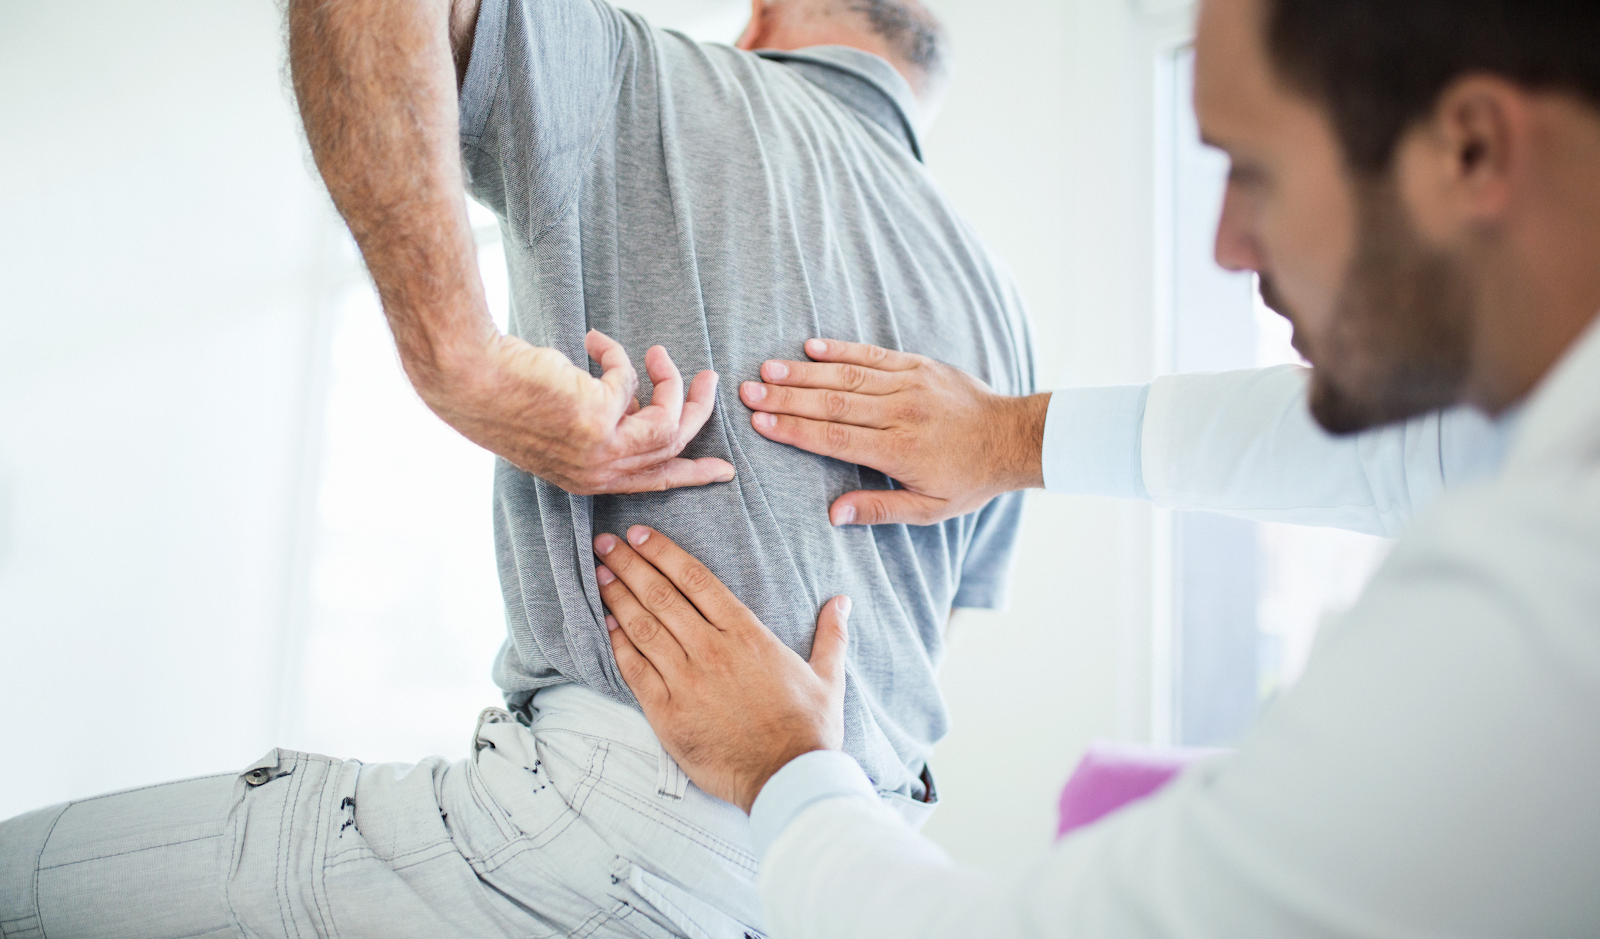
291, 811
542, 729
479, 788
151, 847
683, 827
323, 797
37, 912
239, 811
366, 853
334, 787
591, 779
589, 926
161, 785
434, 851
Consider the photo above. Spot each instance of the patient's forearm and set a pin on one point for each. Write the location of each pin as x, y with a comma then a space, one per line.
377, 84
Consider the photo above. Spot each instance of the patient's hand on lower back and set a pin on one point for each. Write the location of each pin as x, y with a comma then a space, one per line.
587, 435
729, 701
951, 442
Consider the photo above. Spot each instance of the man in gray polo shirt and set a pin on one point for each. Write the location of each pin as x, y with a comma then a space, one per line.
728, 206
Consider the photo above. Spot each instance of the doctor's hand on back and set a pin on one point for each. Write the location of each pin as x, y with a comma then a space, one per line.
950, 442
730, 702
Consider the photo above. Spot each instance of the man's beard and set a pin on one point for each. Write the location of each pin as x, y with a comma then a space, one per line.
1398, 341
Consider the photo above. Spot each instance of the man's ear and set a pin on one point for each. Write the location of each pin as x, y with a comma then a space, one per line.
755, 33
1472, 152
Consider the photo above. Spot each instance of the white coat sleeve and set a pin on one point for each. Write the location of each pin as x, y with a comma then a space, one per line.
1431, 775
1245, 444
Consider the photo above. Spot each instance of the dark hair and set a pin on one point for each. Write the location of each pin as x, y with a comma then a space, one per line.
1379, 66
914, 34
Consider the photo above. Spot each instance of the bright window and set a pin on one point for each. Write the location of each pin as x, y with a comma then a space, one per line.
1242, 601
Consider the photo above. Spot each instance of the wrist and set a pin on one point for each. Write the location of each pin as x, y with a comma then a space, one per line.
447, 360
745, 797
1018, 443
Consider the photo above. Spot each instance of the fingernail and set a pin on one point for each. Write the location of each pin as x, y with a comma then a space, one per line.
638, 535
763, 420
754, 391
844, 607
815, 347
845, 515
611, 622
604, 544
604, 575
775, 371
725, 478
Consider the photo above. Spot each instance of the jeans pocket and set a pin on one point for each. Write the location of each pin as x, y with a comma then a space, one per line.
693, 916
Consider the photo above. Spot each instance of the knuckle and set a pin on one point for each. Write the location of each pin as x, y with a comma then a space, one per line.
590, 431
644, 629
698, 578
911, 412
633, 670
853, 377
836, 405
659, 596
836, 436
877, 354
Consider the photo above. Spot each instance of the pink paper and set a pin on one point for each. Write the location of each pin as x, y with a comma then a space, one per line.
1112, 775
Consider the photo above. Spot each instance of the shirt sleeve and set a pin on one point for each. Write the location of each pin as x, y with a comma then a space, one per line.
1432, 774
1245, 444
804, 781
1092, 441
986, 568
541, 87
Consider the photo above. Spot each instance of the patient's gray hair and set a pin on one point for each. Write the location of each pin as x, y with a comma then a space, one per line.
914, 33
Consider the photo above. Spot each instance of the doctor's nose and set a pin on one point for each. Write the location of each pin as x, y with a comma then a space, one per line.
1236, 248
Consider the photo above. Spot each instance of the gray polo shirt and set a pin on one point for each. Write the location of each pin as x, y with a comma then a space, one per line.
730, 206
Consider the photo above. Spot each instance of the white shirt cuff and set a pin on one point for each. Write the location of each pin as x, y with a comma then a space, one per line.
804, 781
1093, 442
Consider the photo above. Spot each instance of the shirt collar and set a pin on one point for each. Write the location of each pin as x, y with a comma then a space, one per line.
1558, 428
887, 99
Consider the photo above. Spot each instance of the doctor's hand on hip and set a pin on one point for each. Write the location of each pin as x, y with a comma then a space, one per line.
730, 702
950, 441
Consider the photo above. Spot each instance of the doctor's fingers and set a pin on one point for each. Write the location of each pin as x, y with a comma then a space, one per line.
859, 379
644, 630
839, 406
641, 676
878, 449
651, 590
715, 603
861, 353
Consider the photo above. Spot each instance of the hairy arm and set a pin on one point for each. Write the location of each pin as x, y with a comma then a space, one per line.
377, 82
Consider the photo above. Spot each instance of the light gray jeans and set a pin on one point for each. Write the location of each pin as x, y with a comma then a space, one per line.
577, 825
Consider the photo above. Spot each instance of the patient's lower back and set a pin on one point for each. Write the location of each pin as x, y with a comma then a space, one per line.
729, 208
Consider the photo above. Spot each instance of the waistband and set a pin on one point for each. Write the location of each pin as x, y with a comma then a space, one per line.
580, 709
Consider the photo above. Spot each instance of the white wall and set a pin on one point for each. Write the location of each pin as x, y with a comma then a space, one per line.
158, 241
1047, 145
160, 246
